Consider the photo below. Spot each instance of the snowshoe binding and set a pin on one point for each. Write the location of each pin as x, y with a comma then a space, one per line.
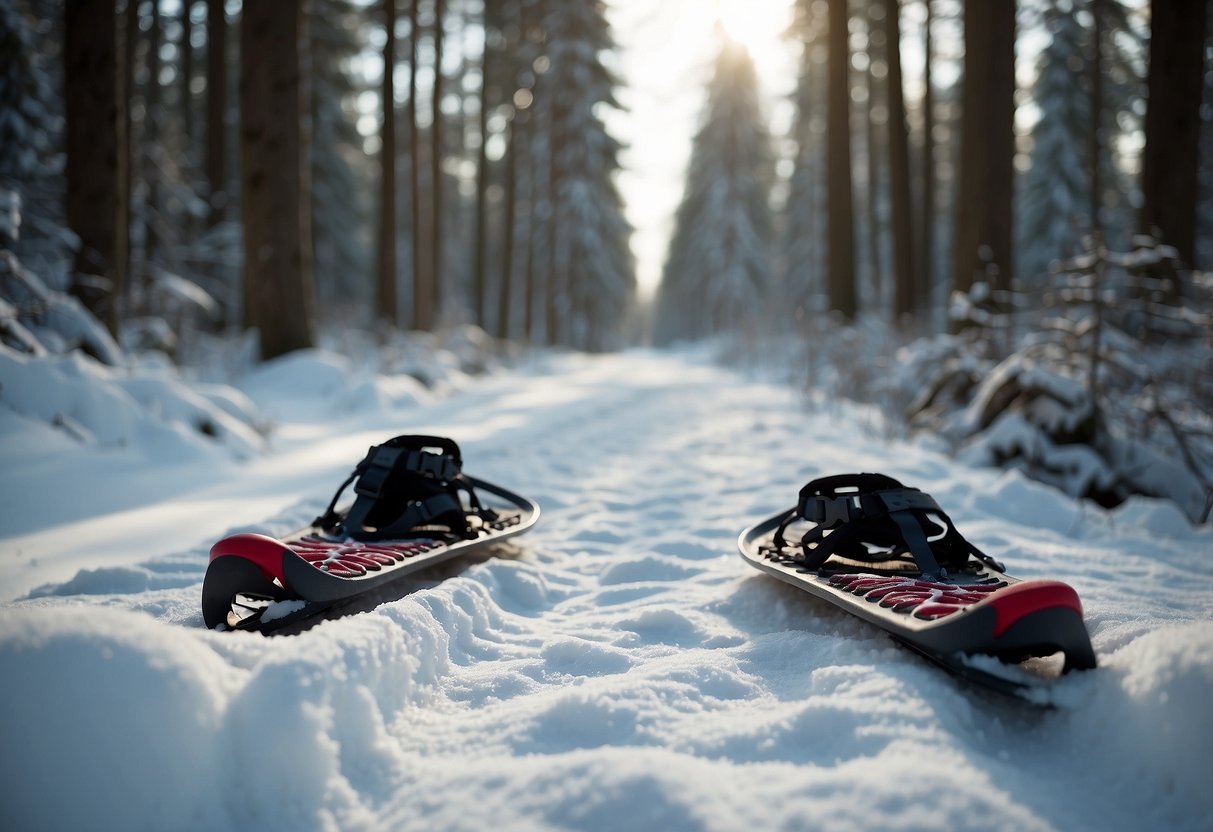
890, 555
413, 508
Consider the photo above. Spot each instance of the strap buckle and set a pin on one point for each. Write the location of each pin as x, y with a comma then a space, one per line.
827, 512
441, 467
379, 464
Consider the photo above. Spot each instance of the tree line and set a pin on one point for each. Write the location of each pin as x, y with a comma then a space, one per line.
895, 200
425, 162
229, 144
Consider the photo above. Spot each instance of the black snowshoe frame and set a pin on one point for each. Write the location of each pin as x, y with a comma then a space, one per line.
890, 555
413, 508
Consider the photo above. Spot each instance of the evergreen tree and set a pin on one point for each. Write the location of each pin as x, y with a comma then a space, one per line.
337, 31
718, 267
981, 244
840, 232
802, 238
1084, 90
96, 206
217, 105
31, 161
1204, 219
279, 293
27, 128
1054, 207
1170, 160
592, 262
906, 281
439, 281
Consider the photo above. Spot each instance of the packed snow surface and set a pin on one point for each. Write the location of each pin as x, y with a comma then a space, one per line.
618, 667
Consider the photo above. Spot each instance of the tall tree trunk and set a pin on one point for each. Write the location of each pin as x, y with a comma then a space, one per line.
555, 281
423, 295
128, 156
841, 277
94, 127
530, 288
216, 109
926, 248
186, 48
1170, 161
876, 35
186, 162
276, 177
152, 149
436, 157
982, 244
1096, 113
899, 175
482, 183
505, 291
385, 296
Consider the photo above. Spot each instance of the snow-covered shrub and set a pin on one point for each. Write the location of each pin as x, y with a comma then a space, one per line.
1109, 396
58, 323
60, 367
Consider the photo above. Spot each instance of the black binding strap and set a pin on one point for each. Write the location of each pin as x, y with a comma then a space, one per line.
406, 482
850, 510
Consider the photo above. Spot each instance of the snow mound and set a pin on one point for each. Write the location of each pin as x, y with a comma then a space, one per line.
315, 384
155, 414
1159, 708
108, 703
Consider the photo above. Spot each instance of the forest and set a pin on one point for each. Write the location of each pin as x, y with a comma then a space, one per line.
1017, 216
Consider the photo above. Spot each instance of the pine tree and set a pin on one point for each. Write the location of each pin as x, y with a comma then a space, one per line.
386, 276
592, 262
438, 269
1084, 91
216, 110
276, 178
1171, 156
26, 131
30, 133
1204, 219
423, 293
96, 206
905, 298
1054, 208
337, 31
840, 198
492, 62
981, 244
719, 265
803, 229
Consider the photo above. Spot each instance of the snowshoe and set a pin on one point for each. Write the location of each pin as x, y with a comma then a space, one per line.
413, 507
890, 555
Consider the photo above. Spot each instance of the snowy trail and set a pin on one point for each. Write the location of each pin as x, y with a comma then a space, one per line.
617, 667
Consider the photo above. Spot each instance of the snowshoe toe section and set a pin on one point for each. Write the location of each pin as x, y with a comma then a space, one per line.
1038, 618
1020, 621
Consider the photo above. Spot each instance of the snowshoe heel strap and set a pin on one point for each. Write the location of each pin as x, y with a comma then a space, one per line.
832, 509
858, 509
382, 461
406, 482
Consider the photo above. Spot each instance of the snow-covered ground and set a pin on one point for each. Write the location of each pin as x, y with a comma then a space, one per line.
619, 667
